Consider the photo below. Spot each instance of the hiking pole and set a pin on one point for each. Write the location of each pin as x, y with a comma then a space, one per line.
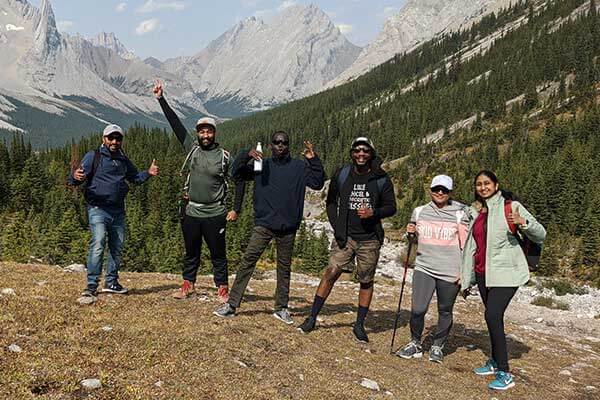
410, 243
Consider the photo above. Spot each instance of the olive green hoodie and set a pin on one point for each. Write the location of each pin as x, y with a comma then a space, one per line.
505, 262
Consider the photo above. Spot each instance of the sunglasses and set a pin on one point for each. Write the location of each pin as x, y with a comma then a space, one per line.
438, 189
113, 138
364, 149
279, 141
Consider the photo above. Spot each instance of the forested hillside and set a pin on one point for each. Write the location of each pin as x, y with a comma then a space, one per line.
527, 79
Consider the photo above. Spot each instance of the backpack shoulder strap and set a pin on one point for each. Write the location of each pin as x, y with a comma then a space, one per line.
418, 213
95, 165
225, 156
508, 210
343, 176
380, 183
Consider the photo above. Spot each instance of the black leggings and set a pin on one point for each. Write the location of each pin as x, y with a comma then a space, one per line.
496, 300
212, 229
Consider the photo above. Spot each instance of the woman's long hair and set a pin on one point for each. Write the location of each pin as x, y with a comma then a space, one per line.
505, 193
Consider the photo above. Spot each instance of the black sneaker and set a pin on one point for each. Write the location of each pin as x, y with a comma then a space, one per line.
225, 310
308, 325
114, 287
359, 333
89, 291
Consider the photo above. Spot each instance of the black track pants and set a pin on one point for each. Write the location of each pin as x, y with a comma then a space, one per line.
212, 229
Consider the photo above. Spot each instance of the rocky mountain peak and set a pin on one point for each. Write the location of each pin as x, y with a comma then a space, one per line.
46, 36
111, 42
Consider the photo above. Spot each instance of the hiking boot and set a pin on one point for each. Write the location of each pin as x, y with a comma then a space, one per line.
436, 354
185, 291
359, 333
284, 316
308, 325
115, 288
489, 368
89, 291
223, 293
412, 349
225, 310
503, 381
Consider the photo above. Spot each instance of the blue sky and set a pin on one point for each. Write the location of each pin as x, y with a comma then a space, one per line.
170, 28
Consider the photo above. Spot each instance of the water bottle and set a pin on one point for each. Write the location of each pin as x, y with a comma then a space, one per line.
258, 163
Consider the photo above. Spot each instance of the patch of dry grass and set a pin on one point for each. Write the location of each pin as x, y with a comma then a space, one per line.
161, 348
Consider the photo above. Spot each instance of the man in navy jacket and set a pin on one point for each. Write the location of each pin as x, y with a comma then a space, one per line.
279, 191
106, 170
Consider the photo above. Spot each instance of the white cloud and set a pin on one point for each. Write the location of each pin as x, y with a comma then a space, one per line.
345, 28
286, 4
64, 25
147, 26
155, 5
120, 7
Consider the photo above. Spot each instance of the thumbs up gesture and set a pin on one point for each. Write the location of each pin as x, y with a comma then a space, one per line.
516, 218
153, 170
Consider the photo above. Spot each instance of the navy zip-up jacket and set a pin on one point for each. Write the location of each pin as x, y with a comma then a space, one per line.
280, 188
108, 187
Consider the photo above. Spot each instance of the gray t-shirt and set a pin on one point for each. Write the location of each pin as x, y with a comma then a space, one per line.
441, 234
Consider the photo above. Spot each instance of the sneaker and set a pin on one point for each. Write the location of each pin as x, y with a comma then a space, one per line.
284, 316
185, 291
436, 354
114, 287
225, 310
489, 368
223, 294
359, 333
412, 349
503, 381
89, 291
308, 325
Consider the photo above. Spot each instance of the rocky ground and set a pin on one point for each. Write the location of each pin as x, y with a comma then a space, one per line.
148, 345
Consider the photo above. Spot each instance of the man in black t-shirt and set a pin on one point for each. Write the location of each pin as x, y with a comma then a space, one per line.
360, 195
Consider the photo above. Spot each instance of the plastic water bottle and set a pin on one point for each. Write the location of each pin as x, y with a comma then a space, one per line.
258, 163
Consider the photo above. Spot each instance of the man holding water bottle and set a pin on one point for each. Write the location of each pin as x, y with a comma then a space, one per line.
279, 187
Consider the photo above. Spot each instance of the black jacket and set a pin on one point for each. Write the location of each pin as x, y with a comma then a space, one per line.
280, 188
337, 203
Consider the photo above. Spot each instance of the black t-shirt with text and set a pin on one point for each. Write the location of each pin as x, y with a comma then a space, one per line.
360, 229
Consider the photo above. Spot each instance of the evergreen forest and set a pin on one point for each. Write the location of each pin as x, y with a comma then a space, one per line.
524, 82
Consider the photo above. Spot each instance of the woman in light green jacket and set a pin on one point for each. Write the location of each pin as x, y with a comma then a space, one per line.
494, 260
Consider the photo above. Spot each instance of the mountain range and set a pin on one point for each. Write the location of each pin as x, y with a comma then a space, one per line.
55, 85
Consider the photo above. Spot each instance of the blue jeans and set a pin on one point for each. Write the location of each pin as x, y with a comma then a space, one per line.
105, 223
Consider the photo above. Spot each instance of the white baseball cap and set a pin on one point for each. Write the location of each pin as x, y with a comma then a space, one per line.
441, 180
112, 128
207, 121
365, 140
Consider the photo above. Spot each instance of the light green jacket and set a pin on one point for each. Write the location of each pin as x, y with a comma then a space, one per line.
505, 262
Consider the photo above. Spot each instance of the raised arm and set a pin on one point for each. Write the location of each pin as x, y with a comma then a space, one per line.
241, 171
174, 121
315, 174
79, 176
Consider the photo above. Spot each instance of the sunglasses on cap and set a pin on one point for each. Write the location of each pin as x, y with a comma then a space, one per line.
438, 189
364, 149
117, 138
280, 141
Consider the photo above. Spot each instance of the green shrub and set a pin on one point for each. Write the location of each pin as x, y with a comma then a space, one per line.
562, 287
549, 302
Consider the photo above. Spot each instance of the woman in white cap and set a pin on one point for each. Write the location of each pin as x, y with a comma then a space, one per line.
440, 228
